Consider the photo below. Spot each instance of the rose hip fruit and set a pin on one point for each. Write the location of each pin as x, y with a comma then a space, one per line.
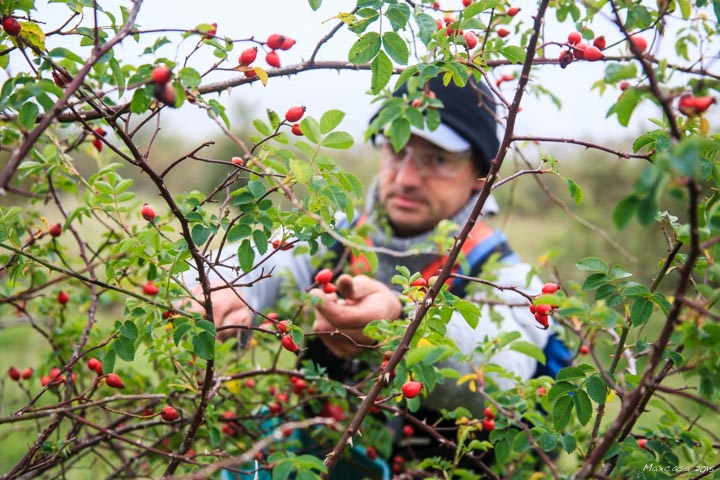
471, 39
550, 288
488, 425
324, 276
114, 381
503, 32
147, 212
574, 38
640, 43
600, 42
55, 230
289, 344
275, 41
63, 297
11, 26
592, 54
512, 11
248, 56
295, 129
150, 288
273, 59
169, 413
294, 113
14, 374
161, 75
412, 389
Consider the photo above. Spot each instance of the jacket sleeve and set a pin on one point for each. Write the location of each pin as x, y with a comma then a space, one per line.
449, 394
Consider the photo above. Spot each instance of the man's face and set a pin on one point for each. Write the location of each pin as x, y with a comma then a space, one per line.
423, 184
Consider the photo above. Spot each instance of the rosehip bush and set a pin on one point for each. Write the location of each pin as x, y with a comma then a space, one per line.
104, 278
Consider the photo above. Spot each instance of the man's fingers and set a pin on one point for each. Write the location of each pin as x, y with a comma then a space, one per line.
345, 286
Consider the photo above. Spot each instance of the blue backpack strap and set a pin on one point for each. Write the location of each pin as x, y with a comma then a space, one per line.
557, 354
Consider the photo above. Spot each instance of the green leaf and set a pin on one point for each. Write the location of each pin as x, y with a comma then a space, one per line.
596, 389
311, 129
569, 443
315, 4
124, 348
562, 411
246, 255
365, 49
558, 390
596, 280
529, 349
502, 451
426, 27
640, 311
513, 53
469, 311
301, 170
615, 72
569, 373
396, 47
204, 345
118, 75
339, 140
200, 234
398, 14
583, 406
180, 332
399, 133
140, 102
592, 264
27, 115
382, 70
32, 34
330, 120
129, 330
189, 77
625, 106
624, 211
575, 190
207, 326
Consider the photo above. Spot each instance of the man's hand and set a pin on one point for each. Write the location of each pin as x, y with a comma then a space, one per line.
364, 300
228, 309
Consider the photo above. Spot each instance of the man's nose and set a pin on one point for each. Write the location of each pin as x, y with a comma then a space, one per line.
408, 172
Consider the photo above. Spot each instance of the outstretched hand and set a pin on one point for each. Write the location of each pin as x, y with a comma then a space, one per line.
341, 321
228, 309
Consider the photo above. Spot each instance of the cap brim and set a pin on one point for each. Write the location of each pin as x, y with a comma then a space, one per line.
444, 137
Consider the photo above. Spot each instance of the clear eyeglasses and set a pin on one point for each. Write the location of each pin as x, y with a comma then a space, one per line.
429, 162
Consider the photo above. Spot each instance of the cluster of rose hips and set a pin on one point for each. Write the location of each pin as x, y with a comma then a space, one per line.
16, 375
163, 88
471, 39
324, 279
692, 106
11, 26
293, 116
542, 311
274, 42
97, 142
488, 422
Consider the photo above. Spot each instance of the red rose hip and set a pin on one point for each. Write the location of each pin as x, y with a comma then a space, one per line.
294, 113
412, 389
169, 413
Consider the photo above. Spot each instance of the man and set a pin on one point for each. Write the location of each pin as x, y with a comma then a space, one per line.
435, 177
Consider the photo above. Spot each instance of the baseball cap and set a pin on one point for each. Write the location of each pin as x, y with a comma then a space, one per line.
467, 120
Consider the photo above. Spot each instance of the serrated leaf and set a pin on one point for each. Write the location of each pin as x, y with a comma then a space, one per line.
339, 140
204, 345
592, 264
32, 34
200, 234
140, 102
129, 330
301, 170
27, 115
311, 129
513, 53
640, 311
624, 211
625, 106
365, 49
569, 443
382, 70
583, 406
575, 190
246, 255
399, 133
562, 411
596, 280
529, 349
330, 120
396, 47
118, 75
569, 373
206, 326
426, 27
180, 332
124, 348
596, 389
398, 14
